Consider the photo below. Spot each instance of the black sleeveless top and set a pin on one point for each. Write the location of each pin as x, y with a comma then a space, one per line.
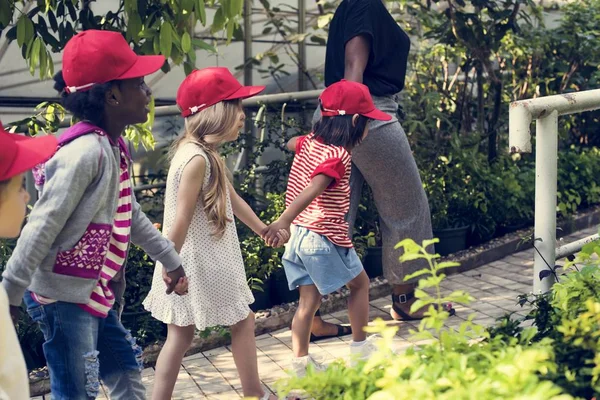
386, 68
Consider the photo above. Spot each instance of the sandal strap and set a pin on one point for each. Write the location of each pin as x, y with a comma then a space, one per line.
403, 298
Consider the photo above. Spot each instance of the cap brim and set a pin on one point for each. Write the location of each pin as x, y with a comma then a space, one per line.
31, 152
144, 65
246, 91
378, 115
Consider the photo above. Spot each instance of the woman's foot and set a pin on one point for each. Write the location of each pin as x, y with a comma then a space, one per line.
324, 330
402, 303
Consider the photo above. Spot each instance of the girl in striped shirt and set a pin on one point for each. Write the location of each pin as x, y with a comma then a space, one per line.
319, 258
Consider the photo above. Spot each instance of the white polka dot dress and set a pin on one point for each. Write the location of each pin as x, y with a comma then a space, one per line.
218, 290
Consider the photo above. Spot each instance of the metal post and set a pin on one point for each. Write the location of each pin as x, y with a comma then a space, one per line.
247, 42
301, 45
545, 199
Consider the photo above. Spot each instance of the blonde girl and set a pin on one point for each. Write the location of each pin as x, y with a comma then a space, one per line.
199, 209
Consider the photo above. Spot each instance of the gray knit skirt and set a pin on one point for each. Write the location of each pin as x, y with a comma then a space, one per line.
385, 162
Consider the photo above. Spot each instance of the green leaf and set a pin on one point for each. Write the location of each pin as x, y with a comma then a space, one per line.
43, 62
186, 42
218, 21
21, 27
230, 28
134, 27
6, 13
236, 8
201, 11
324, 20
187, 5
201, 44
166, 39
35, 55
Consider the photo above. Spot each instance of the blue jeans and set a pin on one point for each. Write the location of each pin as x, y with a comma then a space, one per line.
81, 349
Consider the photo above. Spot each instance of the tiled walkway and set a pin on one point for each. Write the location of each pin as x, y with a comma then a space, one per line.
212, 374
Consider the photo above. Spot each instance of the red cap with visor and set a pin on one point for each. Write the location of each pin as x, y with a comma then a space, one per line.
93, 57
208, 86
349, 98
21, 153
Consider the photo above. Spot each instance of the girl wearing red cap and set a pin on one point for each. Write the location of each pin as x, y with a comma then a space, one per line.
200, 206
17, 155
320, 259
69, 261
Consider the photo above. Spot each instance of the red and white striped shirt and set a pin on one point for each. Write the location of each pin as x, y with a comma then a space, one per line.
102, 298
325, 215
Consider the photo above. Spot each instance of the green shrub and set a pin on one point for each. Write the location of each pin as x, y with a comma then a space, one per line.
462, 363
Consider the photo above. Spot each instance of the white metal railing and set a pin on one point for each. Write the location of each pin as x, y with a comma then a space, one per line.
545, 111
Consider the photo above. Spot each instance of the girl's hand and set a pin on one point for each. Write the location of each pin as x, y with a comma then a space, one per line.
181, 288
175, 281
283, 236
276, 234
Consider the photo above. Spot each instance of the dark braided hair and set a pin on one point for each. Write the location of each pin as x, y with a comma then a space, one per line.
87, 105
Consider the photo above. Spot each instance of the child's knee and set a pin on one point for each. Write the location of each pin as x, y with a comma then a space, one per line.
361, 282
310, 303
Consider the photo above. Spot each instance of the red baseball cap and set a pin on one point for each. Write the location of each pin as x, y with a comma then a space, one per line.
349, 98
21, 153
94, 56
208, 86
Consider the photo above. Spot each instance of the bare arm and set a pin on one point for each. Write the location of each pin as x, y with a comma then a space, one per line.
189, 191
356, 58
291, 144
314, 189
244, 213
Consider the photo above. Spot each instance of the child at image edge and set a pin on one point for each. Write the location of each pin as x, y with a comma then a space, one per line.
69, 262
319, 258
200, 206
17, 155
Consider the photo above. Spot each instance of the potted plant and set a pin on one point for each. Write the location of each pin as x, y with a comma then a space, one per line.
449, 191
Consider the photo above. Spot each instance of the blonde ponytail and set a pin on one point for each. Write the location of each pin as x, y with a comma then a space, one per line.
208, 129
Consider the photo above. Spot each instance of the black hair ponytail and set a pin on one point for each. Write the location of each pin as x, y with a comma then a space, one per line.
87, 105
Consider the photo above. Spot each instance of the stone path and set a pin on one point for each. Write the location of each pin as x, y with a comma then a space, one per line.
212, 374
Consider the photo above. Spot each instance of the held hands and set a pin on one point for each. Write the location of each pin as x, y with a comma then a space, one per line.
277, 234
176, 281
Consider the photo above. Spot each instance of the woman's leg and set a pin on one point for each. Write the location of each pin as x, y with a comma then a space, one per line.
179, 339
386, 162
358, 306
310, 300
243, 347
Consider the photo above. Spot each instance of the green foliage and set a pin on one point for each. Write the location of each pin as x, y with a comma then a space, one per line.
570, 318
462, 363
152, 26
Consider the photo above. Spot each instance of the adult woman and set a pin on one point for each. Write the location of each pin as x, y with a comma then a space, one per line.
366, 45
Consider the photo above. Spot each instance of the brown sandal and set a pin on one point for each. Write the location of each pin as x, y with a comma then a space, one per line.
405, 298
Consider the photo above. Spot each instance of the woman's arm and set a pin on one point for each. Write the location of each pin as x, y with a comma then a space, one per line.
357, 52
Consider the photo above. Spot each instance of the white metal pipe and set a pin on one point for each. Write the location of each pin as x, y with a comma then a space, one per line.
522, 112
573, 247
545, 199
278, 98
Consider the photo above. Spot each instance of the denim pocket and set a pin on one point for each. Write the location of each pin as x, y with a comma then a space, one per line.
36, 313
313, 243
86, 258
